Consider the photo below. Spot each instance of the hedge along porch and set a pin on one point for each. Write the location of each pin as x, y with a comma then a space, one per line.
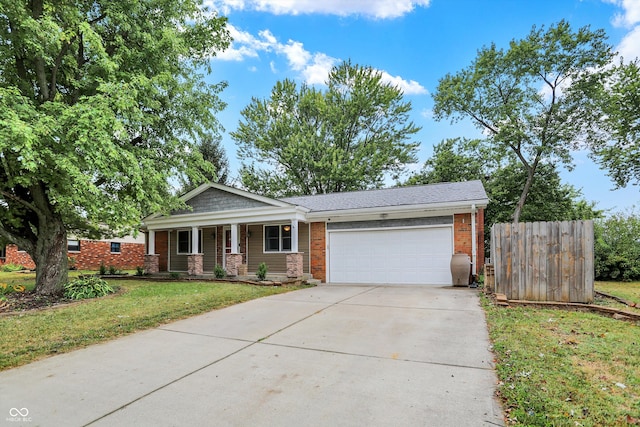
394, 235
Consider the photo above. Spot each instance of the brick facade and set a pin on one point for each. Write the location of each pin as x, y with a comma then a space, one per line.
14, 256
462, 241
92, 253
319, 251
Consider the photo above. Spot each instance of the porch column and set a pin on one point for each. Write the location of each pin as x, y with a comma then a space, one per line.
294, 235
151, 247
151, 259
234, 238
195, 236
195, 259
234, 259
294, 265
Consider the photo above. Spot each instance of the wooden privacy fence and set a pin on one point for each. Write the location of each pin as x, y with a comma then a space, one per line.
544, 261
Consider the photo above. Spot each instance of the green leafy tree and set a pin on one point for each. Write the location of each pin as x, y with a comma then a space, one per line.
99, 103
216, 167
302, 140
617, 247
614, 134
456, 160
521, 98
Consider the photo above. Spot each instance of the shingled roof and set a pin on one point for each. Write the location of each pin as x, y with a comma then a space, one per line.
449, 192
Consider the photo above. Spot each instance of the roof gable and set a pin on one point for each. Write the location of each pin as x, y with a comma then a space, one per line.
213, 197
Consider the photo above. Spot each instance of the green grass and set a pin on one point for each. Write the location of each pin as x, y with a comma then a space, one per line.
566, 368
629, 291
139, 305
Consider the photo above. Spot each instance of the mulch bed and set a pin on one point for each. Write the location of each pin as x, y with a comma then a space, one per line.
23, 301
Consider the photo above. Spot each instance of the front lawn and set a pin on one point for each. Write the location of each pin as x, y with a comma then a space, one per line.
567, 368
138, 305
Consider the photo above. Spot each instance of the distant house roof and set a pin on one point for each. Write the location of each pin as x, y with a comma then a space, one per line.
449, 192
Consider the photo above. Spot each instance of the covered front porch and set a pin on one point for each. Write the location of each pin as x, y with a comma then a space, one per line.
237, 248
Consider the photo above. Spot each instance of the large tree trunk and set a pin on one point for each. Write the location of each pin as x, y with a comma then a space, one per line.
50, 257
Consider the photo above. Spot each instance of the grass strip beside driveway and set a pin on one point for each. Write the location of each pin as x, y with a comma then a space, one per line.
565, 368
27, 337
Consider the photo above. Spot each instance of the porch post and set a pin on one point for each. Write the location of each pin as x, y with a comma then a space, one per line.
195, 236
234, 238
294, 235
151, 260
195, 259
151, 247
234, 259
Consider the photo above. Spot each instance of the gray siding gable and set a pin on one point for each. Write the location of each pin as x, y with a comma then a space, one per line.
215, 200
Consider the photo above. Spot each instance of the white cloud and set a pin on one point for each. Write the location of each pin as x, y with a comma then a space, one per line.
427, 113
630, 14
318, 70
313, 68
410, 87
296, 54
245, 45
379, 9
629, 47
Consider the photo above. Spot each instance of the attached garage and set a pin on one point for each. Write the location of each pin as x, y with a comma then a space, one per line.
407, 255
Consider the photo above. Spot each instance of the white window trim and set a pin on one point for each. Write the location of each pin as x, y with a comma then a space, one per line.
264, 237
189, 251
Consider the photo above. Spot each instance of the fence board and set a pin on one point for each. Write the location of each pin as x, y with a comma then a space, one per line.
544, 261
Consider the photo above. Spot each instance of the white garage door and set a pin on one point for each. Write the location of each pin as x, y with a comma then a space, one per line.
409, 255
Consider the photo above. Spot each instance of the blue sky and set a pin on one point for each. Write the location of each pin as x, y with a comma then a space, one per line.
413, 43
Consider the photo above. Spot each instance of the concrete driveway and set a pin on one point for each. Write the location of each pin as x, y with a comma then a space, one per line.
333, 355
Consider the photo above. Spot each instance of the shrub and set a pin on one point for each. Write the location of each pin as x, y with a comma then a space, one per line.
174, 275
219, 272
139, 271
87, 287
103, 269
8, 268
71, 261
113, 270
617, 247
262, 271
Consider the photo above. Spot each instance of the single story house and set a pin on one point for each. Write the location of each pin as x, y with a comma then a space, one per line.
123, 253
403, 235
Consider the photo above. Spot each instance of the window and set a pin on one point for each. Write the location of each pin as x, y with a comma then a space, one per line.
184, 242
115, 247
73, 245
277, 238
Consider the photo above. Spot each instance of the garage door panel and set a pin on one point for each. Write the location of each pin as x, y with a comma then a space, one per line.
416, 255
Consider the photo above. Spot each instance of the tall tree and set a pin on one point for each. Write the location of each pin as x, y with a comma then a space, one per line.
99, 103
216, 166
549, 199
307, 141
614, 130
522, 98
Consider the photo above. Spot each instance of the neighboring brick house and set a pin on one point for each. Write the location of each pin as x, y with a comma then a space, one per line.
394, 235
125, 253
